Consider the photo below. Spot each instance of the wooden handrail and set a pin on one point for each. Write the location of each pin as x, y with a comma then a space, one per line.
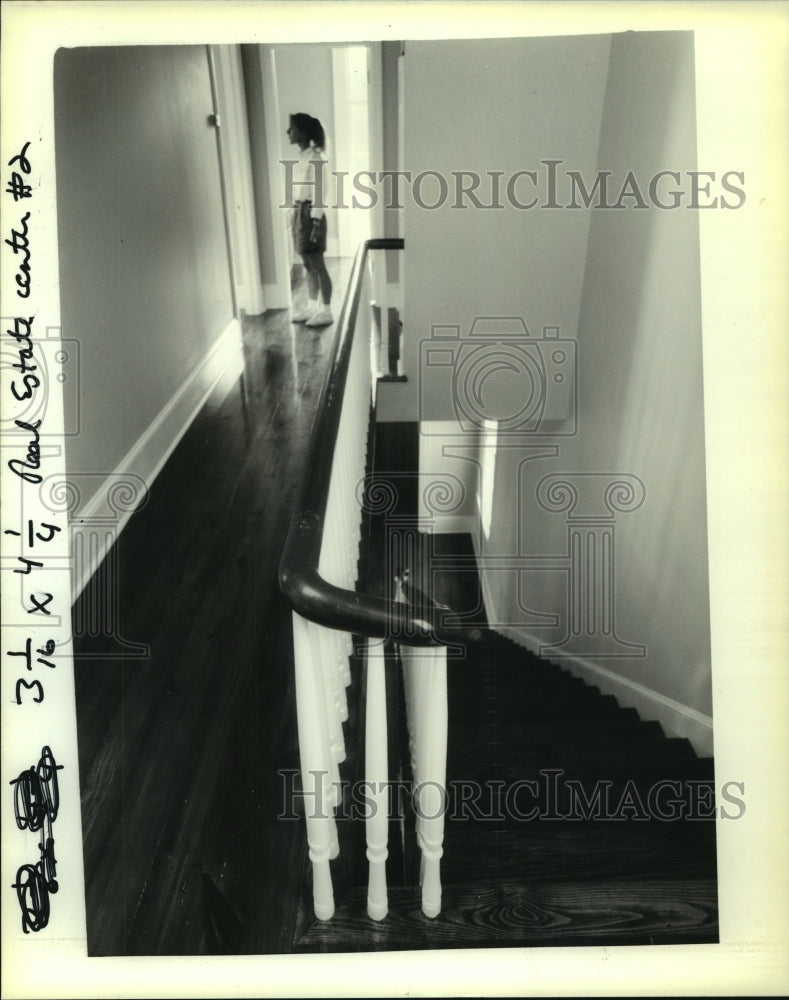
309, 594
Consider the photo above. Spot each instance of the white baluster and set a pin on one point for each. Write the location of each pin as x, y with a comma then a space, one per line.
376, 770
337, 640
416, 738
349, 577
433, 752
346, 647
426, 708
315, 765
343, 505
327, 680
323, 673
327, 563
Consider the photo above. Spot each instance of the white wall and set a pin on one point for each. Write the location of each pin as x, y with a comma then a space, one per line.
625, 285
144, 270
449, 478
493, 105
641, 405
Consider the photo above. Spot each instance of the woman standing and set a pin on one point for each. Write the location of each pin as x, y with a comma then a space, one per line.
309, 222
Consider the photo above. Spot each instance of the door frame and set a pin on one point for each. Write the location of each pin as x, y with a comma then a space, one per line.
235, 164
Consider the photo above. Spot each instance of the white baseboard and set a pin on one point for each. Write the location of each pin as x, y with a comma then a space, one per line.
100, 519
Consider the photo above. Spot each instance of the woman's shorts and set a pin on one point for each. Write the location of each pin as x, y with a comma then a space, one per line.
302, 229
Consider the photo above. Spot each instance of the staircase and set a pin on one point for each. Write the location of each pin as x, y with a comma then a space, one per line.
569, 821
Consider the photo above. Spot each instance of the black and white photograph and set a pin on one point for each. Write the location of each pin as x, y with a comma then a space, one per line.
393, 515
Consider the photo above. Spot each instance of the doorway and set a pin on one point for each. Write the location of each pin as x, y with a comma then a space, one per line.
341, 85
352, 156
258, 87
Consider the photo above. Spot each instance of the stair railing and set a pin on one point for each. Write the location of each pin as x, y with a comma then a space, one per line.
318, 575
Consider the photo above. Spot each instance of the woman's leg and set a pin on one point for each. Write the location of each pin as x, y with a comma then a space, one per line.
311, 305
323, 316
322, 276
313, 284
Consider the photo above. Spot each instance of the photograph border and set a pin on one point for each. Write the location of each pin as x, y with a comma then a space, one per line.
742, 81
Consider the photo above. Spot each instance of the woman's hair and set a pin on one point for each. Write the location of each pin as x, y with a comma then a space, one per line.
311, 128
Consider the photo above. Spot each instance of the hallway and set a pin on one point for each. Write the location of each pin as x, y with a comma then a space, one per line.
182, 753
179, 751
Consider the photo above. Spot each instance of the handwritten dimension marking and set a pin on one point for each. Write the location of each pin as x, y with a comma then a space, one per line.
36, 795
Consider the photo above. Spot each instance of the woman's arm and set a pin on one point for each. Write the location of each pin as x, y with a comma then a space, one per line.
320, 163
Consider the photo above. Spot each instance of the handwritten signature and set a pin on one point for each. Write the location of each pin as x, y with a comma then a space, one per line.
36, 804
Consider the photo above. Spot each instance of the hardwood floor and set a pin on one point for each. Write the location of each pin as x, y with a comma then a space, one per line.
179, 752
186, 755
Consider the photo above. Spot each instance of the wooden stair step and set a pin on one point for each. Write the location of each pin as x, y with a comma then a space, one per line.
574, 850
587, 707
605, 868
539, 732
511, 694
536, 914
691, 779
604, 759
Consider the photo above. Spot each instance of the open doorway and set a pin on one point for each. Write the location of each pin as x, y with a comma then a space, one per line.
341, 86
352, 156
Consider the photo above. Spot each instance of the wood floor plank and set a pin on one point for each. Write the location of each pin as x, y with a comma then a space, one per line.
531, 915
